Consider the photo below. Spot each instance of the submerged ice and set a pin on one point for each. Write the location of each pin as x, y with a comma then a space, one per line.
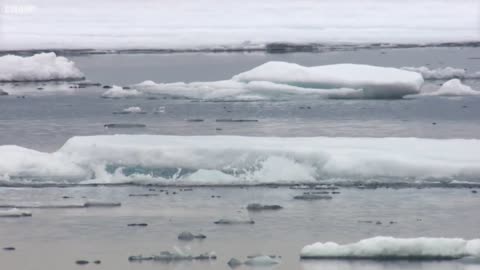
39, 67
382, 248
284, 80
212, 160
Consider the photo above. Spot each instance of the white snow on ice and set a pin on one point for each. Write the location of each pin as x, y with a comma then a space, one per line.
422, 248
453, 87
282, 79
39, 67
242, 160
194, 24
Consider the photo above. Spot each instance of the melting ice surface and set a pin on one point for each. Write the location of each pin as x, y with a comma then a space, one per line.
224, 160
39, 67
422, 248
281, 79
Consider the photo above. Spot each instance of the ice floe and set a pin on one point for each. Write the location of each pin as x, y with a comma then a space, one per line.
224, 160
39, 67
287, 80
383, 248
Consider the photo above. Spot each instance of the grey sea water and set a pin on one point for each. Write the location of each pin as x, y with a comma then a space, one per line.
55, 238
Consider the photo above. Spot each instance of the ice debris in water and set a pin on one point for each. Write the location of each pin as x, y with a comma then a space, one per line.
14, 212
454, 87
187, 236
177, 255
276, 79
259, 207
231, 221
444, 73
131, 110
119, 92
257, 260
102, 204
422, 248
39, 67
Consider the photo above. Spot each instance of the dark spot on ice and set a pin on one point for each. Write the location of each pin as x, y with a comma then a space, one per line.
97, 262
107, 87
126, 88
474, 191
9, 248
194, 120
434, 123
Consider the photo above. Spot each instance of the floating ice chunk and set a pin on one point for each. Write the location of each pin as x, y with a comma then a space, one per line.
281, 79
102, 204
438, 73
261, 260
14, 212
39, 67
454, 87
376, 82
188, 236
177, 255
223, 160
133, 109
259, 207
231, 221
422, 248
119, 92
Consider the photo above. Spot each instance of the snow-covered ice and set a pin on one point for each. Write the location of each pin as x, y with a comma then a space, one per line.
196, 24
454, 87
438, 73
422, 248
282, 79
39, 67
224, 160
120, 92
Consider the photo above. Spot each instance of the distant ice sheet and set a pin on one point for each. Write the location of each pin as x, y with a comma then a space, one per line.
194, 24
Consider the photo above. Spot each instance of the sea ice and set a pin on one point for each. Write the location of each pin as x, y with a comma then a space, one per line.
422, 248
39, 67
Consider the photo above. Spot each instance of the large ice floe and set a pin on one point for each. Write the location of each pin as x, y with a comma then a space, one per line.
248, 24
226, 160
390, 248
39, 67
283, 80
